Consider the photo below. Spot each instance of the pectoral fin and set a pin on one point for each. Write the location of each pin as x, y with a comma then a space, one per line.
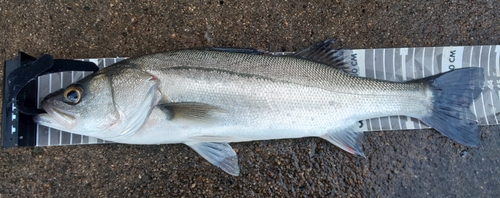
199, 112
219, 154
348, 140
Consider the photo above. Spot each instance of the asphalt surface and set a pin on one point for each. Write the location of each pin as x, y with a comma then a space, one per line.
399, 163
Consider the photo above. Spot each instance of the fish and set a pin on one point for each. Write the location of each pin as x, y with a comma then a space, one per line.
206, 98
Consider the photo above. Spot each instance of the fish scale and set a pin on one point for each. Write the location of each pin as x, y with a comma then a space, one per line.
282, 68
373, 92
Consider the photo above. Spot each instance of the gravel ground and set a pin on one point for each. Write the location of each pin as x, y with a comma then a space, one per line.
399, 163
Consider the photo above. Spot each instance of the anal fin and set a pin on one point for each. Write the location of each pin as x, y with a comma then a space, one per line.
348, 140
219, 154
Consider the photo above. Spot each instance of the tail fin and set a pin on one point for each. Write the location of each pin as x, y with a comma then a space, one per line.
453, 93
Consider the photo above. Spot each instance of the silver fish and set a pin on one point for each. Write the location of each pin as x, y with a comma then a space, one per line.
206, 98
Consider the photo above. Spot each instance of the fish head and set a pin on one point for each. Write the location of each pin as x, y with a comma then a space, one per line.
85, 106
105, 105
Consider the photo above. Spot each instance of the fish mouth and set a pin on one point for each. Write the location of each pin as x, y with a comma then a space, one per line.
56, 118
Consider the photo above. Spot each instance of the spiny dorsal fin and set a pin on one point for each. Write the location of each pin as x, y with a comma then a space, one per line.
247, 51
235, 50
199, 112
327, 52
330, 53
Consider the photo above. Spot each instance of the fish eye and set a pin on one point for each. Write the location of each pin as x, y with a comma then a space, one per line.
73, 94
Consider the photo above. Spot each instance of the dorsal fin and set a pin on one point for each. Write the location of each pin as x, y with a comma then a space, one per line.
235, 50
330, 53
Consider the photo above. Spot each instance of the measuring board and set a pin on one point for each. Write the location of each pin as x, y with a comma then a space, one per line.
393, 64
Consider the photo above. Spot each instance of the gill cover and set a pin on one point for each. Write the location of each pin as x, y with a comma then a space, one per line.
134, 95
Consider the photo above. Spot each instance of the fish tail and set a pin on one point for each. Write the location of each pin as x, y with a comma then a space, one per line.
453, 94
